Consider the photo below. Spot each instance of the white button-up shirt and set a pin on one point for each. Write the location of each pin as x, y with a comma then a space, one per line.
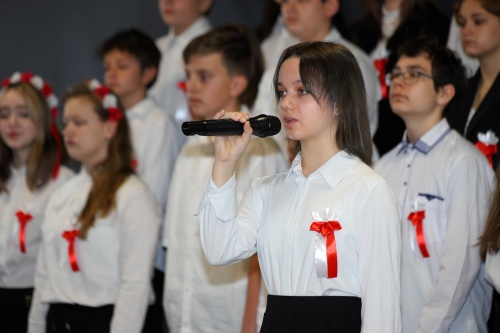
200, 297
448, 178
274, 220
155, 146
17, 269
166, 91
273, 47
115, 261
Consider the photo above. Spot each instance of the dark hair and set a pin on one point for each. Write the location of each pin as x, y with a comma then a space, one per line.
490, 240
44, 155
491, 6
136, 43
331, 74
374, 9
447, 68
109, 175
240, 52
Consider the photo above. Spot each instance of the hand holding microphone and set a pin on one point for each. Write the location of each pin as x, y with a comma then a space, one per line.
262, 126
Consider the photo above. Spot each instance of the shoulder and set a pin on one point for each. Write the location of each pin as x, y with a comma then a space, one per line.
161, 42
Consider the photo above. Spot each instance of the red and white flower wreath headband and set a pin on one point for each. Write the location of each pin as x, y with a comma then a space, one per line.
46, 90
109, 100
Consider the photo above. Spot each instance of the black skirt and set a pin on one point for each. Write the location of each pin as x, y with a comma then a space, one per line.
14, 308
312, 314
76, 318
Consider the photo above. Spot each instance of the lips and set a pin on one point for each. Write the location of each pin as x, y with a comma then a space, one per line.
13, 135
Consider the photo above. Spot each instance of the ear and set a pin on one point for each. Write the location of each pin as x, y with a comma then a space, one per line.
238, 85
110, 128
148, 75
331, 7
445, 94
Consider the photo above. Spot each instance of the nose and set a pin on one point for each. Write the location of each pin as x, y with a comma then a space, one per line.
12, 119
286, 103
66, 131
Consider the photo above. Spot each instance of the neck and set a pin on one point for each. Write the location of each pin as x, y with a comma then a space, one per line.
20, 157
490, 66
314, 155
179, 29
130, 100
232, 106
416, 127
392, 5
319, 35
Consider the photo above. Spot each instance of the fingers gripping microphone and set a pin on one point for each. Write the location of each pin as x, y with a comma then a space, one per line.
262, 125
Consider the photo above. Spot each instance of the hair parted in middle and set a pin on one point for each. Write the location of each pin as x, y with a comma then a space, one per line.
109, 175
241, 54
330, 72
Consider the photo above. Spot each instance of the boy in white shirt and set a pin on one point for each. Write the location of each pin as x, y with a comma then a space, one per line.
186, 20
223, 69
131, 61
443, 184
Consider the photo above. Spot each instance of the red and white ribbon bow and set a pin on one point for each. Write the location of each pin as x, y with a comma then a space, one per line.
487, 144
380, 65
23, 220
71, 236
326, 247
417, 219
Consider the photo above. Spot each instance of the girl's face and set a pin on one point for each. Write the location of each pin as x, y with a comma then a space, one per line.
302, 117
479, 29
86, 136
17, 127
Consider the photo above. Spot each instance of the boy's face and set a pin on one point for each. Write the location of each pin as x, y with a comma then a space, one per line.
210, 88
414, 99
308, 20
123, 75
180, 14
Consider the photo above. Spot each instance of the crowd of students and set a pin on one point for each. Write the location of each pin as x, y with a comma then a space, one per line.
375, 209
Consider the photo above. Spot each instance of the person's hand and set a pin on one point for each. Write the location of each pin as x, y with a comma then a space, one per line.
228, 149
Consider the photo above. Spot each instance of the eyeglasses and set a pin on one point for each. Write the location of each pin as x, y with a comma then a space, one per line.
410, 77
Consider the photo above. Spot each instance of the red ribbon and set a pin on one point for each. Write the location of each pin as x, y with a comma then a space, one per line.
417, 219
380, 65
70, 236
487, 150
134, 164
327, 230
23, 220
182, 86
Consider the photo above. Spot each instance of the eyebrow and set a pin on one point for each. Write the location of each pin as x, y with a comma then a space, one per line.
293, 83
411, 68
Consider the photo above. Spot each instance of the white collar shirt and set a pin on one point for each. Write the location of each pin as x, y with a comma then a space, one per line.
17, 268
274, 220
155, 146
166, 91
273, 47
198, 297
448, 178
115, 261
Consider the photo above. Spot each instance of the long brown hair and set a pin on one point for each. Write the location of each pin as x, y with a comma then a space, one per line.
111, 173
43, 156
490, 240
374, 9
332, 75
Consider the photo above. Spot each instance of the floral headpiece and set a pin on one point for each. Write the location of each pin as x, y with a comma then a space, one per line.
109, 100
46, 90
37, 82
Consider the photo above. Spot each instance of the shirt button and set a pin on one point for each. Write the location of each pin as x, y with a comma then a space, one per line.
409, 165
404, 183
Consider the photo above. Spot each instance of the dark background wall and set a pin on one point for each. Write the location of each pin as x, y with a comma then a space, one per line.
57, 39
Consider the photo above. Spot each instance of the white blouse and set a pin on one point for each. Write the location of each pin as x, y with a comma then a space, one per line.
492, 270
19, 245
445, 176
114, 263
198, 297
274, 220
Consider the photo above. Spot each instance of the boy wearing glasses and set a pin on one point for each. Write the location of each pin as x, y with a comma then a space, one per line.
443, 185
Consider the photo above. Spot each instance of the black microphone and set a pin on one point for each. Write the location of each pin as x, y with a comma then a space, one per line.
262, 125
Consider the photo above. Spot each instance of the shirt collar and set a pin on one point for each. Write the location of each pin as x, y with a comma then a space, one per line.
429, 140
332, 171
140, 109
200, 25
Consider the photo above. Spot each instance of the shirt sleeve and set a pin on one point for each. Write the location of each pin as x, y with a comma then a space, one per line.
468, 199
38, 310
379, 261
227, 236
139, 217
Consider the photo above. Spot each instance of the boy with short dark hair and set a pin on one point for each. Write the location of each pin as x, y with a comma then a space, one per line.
131, 61
443, 184
223, 69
